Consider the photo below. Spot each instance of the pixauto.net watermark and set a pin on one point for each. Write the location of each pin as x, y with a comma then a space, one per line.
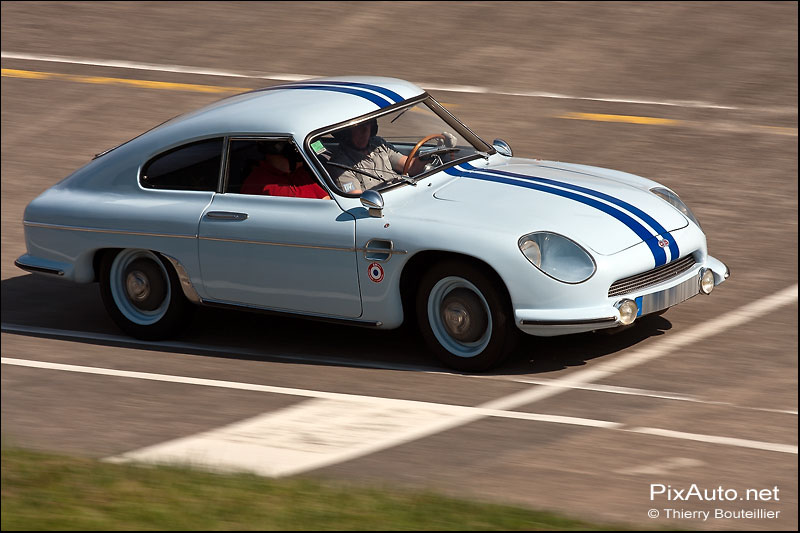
721, 497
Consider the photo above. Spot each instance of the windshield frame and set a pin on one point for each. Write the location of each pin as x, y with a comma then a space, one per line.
435, 107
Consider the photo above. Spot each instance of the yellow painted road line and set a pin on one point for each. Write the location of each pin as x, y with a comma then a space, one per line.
216, 89
779, 130
467, 89
145, 84
621, 118
631, 119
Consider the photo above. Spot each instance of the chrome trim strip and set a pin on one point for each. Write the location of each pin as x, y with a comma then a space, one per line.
40, 269
186, 284
100, 230
299, 314
290, 245
609, 320
390, 251
179, 236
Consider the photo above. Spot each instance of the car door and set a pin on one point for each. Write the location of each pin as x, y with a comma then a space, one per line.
280, 253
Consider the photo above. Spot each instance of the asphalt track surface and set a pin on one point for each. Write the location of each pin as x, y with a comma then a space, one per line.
699, 96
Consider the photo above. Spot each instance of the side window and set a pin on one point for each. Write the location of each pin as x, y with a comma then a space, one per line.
245, 156
192, 167
270, 167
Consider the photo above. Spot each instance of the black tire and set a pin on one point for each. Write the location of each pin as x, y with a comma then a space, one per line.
465, 320
142, 294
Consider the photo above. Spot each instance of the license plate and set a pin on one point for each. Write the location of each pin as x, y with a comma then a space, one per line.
656, 301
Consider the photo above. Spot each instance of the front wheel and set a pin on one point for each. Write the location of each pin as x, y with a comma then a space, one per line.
141, 292
464, 320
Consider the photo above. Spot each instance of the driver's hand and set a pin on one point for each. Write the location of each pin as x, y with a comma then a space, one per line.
449, 139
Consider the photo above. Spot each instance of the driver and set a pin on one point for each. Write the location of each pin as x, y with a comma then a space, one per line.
360, 148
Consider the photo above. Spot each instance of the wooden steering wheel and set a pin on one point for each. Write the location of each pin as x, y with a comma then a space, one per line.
416, 148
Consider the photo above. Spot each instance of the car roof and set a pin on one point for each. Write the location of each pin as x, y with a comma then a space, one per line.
297, 108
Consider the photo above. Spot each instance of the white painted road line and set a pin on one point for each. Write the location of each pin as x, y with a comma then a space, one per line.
179, 69
130, 342
307, 436
333, 427
186, 380
419, 419
663, 468
728, 441
358, 363
316, 433
468, 89
631, 391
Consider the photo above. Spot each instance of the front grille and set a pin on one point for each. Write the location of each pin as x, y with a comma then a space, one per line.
652, 277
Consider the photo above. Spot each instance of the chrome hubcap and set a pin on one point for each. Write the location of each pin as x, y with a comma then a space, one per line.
137, 286
464, 316
456, 319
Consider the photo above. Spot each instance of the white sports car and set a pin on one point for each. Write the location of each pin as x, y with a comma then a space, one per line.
362, 200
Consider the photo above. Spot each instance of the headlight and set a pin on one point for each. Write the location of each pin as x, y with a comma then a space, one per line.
672, 199
557, 256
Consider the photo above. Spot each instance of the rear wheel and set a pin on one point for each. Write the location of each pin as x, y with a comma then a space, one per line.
464, 319
141, 292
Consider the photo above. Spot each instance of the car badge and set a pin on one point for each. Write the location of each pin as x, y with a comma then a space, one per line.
663, 243
375, 272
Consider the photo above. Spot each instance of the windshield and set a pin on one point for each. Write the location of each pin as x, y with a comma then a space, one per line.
400, 147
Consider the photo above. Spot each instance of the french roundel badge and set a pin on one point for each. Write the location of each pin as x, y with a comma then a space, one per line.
375, 272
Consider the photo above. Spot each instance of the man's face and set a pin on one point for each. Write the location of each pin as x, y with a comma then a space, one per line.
360, 134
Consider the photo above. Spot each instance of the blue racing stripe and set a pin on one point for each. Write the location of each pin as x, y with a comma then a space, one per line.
673, 245
377, 88
379, 101
659, 255
372, 97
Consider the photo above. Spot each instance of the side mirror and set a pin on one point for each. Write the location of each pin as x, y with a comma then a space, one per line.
502, 147
373, 201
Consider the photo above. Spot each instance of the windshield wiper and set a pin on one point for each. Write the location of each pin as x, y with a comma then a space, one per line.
437, 151
408, 179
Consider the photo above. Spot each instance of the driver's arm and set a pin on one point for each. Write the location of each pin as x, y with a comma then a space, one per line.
398, 161
417, 165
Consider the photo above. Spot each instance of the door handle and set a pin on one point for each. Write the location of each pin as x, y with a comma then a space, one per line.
226, 215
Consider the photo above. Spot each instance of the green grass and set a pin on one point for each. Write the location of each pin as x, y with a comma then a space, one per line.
49, 492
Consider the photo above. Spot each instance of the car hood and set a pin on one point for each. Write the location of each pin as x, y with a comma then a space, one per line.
604, 210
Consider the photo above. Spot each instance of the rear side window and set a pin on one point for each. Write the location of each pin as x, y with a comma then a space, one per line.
191, 167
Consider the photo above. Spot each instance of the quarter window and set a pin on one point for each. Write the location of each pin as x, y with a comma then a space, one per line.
191, 167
